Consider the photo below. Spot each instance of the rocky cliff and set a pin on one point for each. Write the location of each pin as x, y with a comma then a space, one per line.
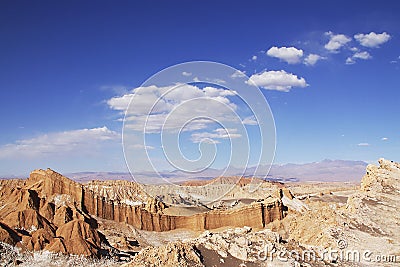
356, 227
375, 207
384, 178
49, 211
150, 217
44, 212
50, 183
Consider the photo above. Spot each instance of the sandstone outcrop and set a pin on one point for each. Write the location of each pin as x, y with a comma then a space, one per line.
78, 238
367, 221
231, 247
153, 205
173, 254
44, 212
382, 178
49, 211
257, 215
49, 183
289, 201
375, 207
150, 217
8, 235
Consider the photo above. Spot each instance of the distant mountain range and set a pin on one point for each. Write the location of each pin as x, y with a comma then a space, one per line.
326, 170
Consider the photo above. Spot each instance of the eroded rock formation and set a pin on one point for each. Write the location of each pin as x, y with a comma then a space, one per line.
49, 211
173, 254
45, 212
150, 217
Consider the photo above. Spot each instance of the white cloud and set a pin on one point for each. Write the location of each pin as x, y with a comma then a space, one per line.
156, 108
186, 73
214, 92
363, 144
210, 137
250, 121
350, 61
59, 143
277, 80
139, 146
372, 39
155, 123
218, 81
336, 41
312, 59
362, 55
238, 74
291, 55
254, 58
358, 55
148, 97
384, 139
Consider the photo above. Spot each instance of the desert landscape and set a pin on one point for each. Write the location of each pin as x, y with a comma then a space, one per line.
50, 219
204, 133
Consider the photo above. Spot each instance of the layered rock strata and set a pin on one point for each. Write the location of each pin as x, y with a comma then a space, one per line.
49, 211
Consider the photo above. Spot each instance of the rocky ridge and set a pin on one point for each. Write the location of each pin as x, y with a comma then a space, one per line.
367, 222
51, 212
45, 213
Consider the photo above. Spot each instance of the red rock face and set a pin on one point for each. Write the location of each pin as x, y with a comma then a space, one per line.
50, 211
48, 183
256, 215
150, 217
44, 212
79, 238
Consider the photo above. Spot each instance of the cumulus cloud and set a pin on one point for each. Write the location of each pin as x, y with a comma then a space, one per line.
372, 39
363, 144
148, 97
290, 55
186, 73
384, 139
312, 59
251, 120
277, 80
238, 74
254, 58
212, 137
350, 61
358, 55
336, 41
59, 143
169, 108
362, 55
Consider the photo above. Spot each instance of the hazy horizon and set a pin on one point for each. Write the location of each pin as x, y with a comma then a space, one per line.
326, 170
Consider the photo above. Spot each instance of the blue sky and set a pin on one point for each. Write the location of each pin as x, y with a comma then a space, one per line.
63, 61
